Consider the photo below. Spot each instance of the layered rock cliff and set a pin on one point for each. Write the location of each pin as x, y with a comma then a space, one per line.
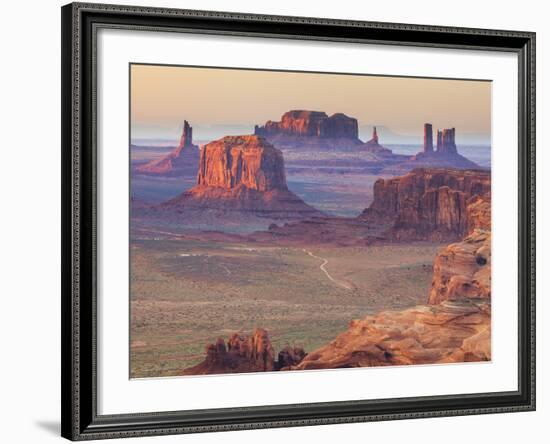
463, 269
247, 161
183, 161
430, 203
245, 354
304, 123
242, 174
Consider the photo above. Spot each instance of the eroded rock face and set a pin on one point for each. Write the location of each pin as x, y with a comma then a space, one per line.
445, 156
478, 212
242, 160
453, 331
311, 124
429, 203
242, 174
463, 269
183, 161
245, 354
428, 138
446, 141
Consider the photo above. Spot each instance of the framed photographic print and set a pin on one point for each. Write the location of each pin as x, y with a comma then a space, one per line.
282, 221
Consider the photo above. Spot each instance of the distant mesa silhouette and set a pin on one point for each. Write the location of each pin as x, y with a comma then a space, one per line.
304, 123
183, 161
374, 146
444, 156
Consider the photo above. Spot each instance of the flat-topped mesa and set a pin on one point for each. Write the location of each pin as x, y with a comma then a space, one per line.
430, 203
446, 141
183, 161
248, 161
304, 123
238, 175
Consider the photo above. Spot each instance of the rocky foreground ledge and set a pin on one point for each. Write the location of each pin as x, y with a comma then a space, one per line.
453, 331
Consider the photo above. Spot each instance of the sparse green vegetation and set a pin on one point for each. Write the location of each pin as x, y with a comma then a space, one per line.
187, 293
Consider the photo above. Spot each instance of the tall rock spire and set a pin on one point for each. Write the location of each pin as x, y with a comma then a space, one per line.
446, 141
428, 138
374, 135
186, 136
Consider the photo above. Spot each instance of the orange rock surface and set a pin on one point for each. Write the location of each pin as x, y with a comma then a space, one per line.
245, 354
463, 269
243, 174
428, 203
454, 331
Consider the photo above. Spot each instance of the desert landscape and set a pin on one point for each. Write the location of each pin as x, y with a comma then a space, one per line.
300, 246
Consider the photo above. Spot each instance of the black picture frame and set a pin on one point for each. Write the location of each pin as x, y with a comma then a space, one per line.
80, 420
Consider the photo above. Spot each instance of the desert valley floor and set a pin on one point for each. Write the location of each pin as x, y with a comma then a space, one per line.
187, 293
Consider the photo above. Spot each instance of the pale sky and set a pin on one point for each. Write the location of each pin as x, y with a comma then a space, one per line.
163, 96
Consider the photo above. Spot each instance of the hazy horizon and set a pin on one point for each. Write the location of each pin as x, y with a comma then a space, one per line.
220, 102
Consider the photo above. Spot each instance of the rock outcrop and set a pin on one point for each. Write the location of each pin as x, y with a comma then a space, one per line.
463, 269
446, 141
245, 354
453, 331
304, 123
247, 161
317, 131
242, 174
430, 203
374, 146
183, 161
445, 156
428, 138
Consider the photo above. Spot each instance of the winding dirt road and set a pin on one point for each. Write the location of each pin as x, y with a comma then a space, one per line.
338, 282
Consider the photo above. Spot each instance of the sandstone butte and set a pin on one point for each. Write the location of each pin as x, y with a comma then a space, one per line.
444, 156
454, 325
303, 129
183, 161
243, 174
430, 203
425, 204
311, 124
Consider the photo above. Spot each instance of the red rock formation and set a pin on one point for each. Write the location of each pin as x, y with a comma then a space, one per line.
453, 331
478, 213
374, 146
427, 203
245, 354
310, 124
428, 138
180, 162
242, 160
290, 356
242, 174
463, 269
446, 155
446, 141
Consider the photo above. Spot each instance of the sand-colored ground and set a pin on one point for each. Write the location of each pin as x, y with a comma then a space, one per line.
187, 293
